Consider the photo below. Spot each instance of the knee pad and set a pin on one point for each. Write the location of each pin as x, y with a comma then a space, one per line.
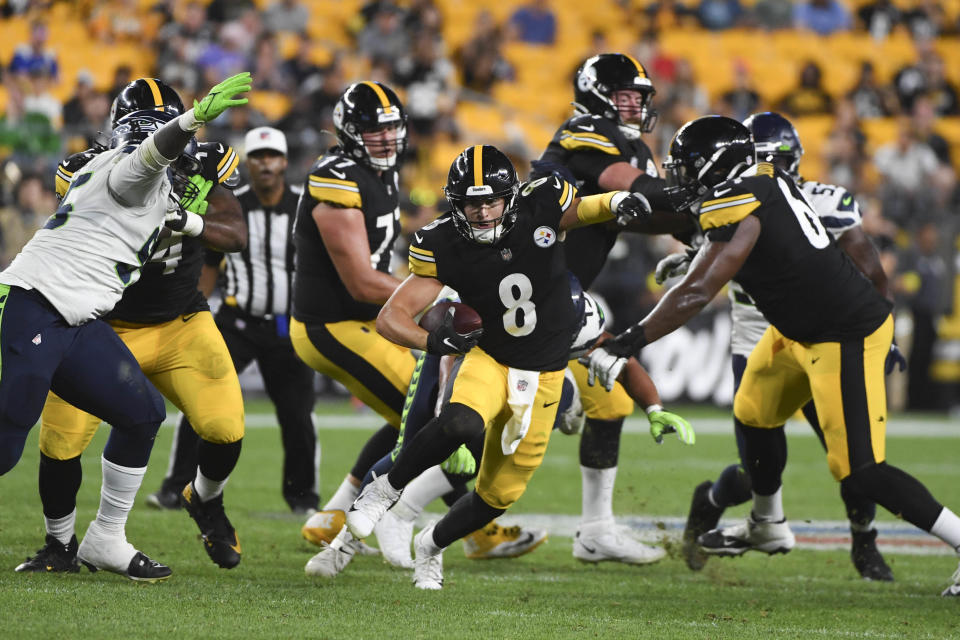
460, 422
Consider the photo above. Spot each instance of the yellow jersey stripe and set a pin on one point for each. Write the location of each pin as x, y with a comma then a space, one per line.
424, 268
61, 186
63, 170
155, 92
478, 165
337, 195
425, 253
765, 169
727, 215
225, 158
575, 142
743, 198
228, 171
384, 101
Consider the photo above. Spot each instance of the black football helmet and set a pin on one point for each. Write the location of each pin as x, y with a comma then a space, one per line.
144, 94
703, 153
482, 173
776, 141
597, 79
365, 107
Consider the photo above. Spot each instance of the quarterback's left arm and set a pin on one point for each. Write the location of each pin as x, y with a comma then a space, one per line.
859, 247
623, 206
224, 228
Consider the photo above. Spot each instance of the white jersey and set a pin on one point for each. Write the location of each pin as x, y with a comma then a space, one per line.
838, 213
92, 248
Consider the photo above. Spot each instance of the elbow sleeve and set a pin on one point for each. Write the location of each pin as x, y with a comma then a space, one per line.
653, 189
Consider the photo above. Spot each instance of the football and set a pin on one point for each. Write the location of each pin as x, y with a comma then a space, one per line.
465, 319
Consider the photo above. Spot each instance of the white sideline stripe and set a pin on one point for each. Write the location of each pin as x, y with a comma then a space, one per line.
943, 428
818, 535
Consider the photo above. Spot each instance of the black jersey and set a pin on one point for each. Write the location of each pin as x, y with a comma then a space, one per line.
802, 282
319, 294
168, 282
580, 150
518, 286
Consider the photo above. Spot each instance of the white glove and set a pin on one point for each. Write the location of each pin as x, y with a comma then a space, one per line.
674, 265
603, 366
179, 219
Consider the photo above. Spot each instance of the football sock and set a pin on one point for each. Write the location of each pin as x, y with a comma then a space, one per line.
861, 510
731, 488
120, 485
217, 460
379, 445
422, 490
206, 488
600, 443
59, 482
344, 537
597, 493
62, 528
466, 516
764, 455
768, 508
431, 446
345, 495
430, 542
947, 528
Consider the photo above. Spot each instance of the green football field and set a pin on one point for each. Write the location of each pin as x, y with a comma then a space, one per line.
813, 592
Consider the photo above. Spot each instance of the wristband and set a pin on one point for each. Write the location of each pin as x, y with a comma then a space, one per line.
188, 122
194, 224
652, 408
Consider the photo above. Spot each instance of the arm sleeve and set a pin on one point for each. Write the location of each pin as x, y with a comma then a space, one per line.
135, 179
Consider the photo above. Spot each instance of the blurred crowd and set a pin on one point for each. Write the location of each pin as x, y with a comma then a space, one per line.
906, 185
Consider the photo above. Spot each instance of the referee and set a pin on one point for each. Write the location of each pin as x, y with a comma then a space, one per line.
254, 320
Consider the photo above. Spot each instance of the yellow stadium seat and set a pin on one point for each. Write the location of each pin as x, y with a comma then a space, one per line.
273, 104
481, 123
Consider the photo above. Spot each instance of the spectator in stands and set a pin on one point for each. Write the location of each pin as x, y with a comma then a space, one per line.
683, 100
34, 57
926, 76
301, 69
223, 11
180, 44
226, 57
879, 18
809, 97
423, 15
718, 15
286, 15
773, 15
122, 76
31, 207
481, 59
534, 23
268, 68
823, 17
429, 79
870, 99
383, 36
741, 100
665, 15
117, 20
73, 109
924, 117
926, 20
844, 151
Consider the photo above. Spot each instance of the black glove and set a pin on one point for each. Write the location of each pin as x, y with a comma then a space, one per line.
627, 344
444, 340
629, 207
895, 358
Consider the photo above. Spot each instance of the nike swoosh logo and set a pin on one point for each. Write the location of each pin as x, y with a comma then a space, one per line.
814, 360
588, 548
587, 127
417, 237
524, 541
342, 176
447, 342
188, 317
550, 404
720, 192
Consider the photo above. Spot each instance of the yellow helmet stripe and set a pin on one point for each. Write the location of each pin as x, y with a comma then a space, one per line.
640, 70
155, 90
478, 165
384, 101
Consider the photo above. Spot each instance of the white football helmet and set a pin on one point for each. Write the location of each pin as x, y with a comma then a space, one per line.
591, 327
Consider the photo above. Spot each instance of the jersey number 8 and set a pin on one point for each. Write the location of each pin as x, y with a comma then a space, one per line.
520, 319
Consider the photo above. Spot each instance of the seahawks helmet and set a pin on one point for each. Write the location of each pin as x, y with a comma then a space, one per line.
776, 141
144, 94
366, 107
592, 322
704, 153
482, 173
600, 76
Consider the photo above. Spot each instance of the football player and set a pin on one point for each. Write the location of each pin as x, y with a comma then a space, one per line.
829, 336
166, 323
777, 142
348, 219
501, 249
600, 149
52, 338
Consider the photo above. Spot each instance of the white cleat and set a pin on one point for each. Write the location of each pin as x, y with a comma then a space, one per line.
334, 557
394, 535
605, 541
427, 567
370, 505
954, 589
768, 537
99, 550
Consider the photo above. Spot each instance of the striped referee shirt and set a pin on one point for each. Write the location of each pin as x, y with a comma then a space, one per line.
259, 279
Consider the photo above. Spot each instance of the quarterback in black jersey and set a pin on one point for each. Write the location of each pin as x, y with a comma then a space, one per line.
830, 334
600, 149
166, 323
501, 248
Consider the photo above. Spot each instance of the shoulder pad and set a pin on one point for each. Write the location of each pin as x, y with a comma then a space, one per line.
335, 179
728, 203
219, 163
589, 133
70, 165
551, 188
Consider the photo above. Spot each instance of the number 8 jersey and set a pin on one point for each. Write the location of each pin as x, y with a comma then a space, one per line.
801, 281
519, 286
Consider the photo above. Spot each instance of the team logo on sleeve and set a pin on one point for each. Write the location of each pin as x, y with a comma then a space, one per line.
544, 237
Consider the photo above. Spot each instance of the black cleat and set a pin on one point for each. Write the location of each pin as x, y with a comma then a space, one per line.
702, 518
164, 499
219, 537
867, 558
143, 569
54, 557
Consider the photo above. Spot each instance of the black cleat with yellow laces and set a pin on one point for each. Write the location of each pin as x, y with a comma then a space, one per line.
219, 537
54, 557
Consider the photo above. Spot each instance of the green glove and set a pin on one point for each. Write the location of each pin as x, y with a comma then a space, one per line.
460, 461
221, 97
197, 201
662, 422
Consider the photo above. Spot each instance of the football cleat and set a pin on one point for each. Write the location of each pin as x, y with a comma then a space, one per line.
111, 553
769, 537
164, 499
605, 541
394, 535
494, 541
867, 558
219, 537
427, 567
954, 589
370, 505
323, 526
703, 517
54, 557
334, 557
